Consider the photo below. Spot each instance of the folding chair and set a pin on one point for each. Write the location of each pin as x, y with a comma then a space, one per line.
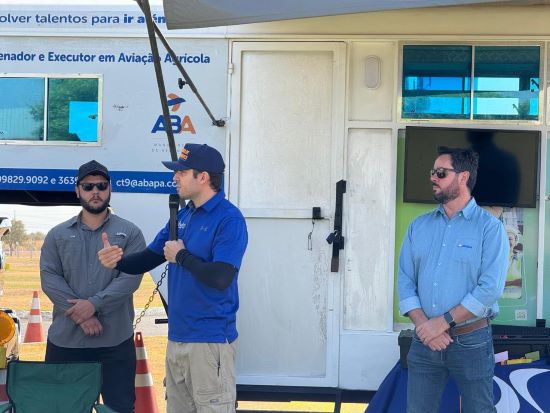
38, 387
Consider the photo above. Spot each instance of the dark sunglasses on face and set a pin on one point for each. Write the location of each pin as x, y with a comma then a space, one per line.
101, 186
441, 173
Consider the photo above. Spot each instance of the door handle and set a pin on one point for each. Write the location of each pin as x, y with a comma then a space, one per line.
335, 237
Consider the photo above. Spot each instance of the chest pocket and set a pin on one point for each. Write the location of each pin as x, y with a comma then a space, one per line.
119, 238
466, 250
70, 252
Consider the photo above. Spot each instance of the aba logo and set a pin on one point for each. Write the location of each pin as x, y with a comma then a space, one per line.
179, 124
174, 101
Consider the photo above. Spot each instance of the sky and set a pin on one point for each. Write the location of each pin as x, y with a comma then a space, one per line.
40, 219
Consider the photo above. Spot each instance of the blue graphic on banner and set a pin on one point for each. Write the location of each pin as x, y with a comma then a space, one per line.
518, 388
65, 180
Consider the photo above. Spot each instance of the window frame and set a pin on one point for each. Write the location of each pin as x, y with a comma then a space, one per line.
472, 120
46, 77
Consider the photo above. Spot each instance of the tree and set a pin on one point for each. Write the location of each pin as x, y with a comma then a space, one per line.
33, 241
60, 93
37, 235
17, 234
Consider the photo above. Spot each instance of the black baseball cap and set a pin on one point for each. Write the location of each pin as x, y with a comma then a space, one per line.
199, 157
92, 168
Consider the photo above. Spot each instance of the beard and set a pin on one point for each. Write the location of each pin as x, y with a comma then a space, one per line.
95, 209
446, 195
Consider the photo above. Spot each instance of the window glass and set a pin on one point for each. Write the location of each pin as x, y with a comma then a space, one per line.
506, 82
72, 110
21, 108
436, 82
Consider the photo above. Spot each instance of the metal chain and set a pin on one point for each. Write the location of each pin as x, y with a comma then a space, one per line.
155, 291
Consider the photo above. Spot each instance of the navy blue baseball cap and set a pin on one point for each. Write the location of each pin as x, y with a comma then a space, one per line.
197, 156
92, 168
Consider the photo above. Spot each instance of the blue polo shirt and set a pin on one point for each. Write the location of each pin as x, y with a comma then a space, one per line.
215, 232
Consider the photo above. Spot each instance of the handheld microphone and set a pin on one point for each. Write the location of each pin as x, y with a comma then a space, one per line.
174, 204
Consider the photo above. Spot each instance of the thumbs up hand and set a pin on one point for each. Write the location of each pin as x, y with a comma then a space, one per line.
105, 239
109, 255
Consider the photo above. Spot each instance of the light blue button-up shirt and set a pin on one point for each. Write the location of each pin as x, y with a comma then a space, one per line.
445, 262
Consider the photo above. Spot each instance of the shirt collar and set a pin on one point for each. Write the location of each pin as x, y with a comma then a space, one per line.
211, 203
467, 211
73, 221
214, 201
77, 219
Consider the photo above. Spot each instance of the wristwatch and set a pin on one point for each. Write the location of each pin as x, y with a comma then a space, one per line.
449, 319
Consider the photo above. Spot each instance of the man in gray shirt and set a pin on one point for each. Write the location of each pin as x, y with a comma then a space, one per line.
93, 308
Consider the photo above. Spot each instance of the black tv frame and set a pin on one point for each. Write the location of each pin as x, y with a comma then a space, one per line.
532, 203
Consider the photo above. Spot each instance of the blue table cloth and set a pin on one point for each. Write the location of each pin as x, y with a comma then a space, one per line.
518, 388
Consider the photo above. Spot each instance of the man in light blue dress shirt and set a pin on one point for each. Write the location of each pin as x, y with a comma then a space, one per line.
452, 271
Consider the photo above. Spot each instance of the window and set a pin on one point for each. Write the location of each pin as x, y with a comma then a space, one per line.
506, 82
49, 109
437, 82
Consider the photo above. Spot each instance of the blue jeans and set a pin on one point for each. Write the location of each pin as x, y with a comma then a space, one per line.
469, 359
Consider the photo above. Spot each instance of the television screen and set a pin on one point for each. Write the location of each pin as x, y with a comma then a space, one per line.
508, 163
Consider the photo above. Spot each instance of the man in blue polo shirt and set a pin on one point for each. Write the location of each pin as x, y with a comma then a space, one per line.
202, 284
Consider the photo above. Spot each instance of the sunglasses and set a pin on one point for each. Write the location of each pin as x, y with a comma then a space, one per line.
101, 186
441, 173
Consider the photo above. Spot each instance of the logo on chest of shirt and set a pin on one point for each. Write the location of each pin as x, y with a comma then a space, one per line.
182, 225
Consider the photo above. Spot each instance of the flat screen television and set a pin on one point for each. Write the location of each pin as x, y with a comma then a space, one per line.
508, 163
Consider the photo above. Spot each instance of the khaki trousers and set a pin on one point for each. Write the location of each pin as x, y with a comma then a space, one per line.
200, 377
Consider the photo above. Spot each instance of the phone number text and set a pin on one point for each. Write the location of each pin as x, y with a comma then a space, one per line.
38, 179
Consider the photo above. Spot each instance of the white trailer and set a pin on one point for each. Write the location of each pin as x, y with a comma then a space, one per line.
307, 103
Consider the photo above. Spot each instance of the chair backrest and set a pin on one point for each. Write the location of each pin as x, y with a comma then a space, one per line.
53, 387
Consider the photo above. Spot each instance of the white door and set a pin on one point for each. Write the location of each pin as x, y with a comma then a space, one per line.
286, 155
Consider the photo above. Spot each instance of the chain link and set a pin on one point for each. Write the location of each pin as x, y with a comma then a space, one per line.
155, 291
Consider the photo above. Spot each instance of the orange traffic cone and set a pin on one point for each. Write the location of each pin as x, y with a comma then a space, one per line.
35, 331
146, 402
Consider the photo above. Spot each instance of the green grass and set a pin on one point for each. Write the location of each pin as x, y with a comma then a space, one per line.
23, 278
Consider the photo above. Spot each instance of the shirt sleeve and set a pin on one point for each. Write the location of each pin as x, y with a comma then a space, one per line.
218, 275
494, 264
52, 280
230, 242
407, 277
123, 285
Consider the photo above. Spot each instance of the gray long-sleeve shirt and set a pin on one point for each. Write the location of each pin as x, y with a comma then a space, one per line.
70, 268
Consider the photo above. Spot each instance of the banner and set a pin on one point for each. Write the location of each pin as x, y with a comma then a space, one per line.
65, 180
